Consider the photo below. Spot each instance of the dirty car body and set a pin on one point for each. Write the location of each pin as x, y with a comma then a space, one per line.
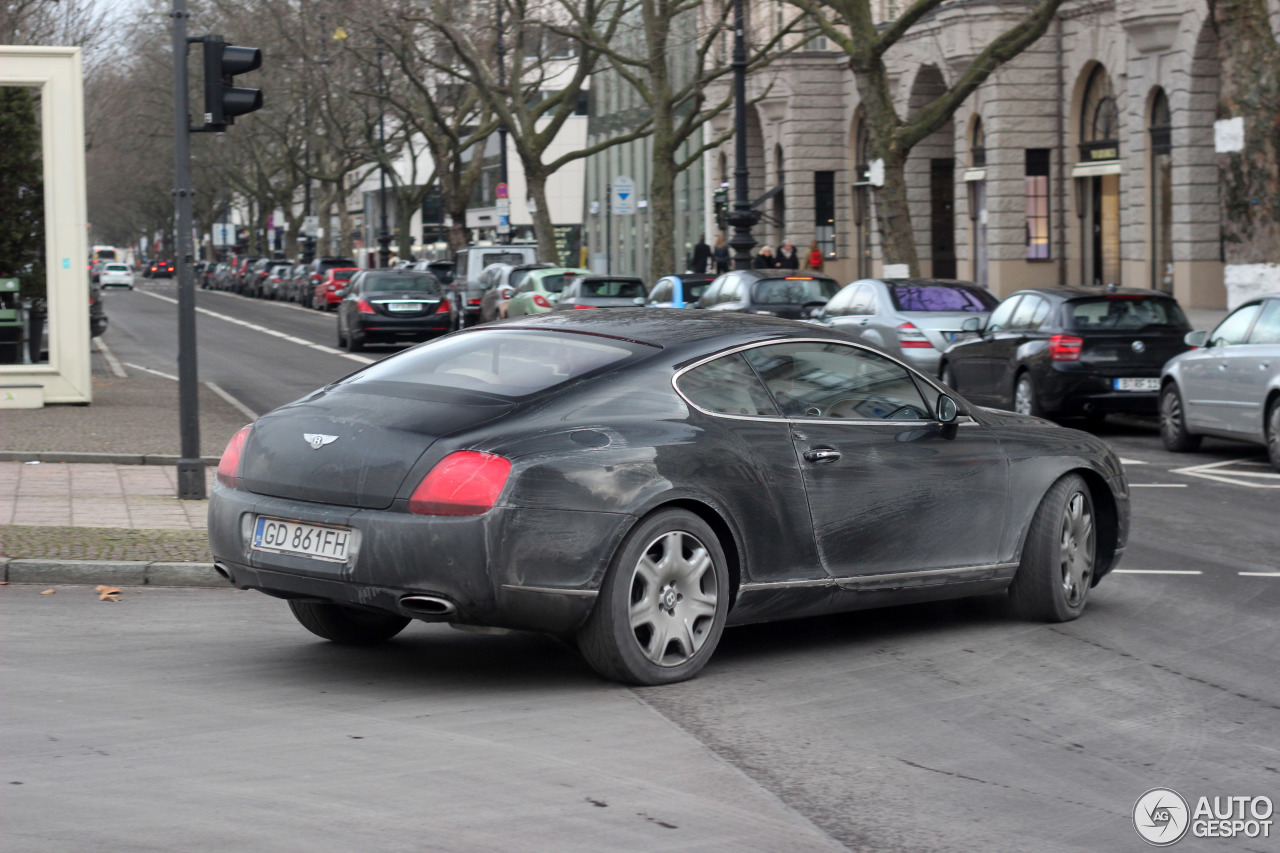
606, 420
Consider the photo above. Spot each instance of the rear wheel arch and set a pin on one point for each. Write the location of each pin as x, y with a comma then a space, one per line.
1108, 520
1273, 398
717, 520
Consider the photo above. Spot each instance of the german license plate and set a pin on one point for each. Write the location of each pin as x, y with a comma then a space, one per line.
1137, 384
307, 540
404, 306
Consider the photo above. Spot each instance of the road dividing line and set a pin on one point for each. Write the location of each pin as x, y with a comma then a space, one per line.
112, 361
149, 370
1259, 574
1218, 472
239, 407
1132, 462
1157, 485
272, 332
1155, 572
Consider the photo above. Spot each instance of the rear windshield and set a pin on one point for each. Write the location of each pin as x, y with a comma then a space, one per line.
622, 289
556, 283
797, 290
941, 297
1124, 313
694, 289
117, 268
508, 362
330, 263
421, 282
343, 275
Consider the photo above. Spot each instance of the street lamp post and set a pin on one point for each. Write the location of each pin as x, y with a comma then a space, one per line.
742, 217
384, 236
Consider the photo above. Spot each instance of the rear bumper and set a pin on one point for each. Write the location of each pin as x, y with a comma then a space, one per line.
377, 327
511, 568
1075, 392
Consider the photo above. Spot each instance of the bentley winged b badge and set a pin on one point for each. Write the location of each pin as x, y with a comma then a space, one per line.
317, 440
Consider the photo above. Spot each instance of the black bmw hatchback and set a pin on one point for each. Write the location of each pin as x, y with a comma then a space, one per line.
392, 306
1069, 351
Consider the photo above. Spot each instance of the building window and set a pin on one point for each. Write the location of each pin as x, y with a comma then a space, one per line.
824, 212
1036, 192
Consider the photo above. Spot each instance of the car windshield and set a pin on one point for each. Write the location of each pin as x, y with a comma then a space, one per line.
614, 288
508, 362
941, 297
1124, 313
419, 282
693, 290
794, 290
555, 283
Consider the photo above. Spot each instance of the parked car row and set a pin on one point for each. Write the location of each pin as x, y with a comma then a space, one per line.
312, 284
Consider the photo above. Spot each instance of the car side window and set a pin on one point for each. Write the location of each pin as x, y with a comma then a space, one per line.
661, 291
526, 285
841, 302
1233, 329
835, 381
1000, 317
1029, 309
1267, 329
727, 386
711, 294
861, 300
730, 290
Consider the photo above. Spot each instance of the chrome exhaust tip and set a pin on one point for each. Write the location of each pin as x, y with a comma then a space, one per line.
428, 605
221, 568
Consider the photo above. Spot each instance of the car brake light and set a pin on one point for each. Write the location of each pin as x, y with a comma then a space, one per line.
1065, 347
443, 308
473, 301
363, 306
463, 483
909, 337
798, 278
229, 464
585, 306
541, 301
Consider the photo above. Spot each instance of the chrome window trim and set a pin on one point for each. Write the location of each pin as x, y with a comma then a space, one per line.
866, 580
550, 590
962, 420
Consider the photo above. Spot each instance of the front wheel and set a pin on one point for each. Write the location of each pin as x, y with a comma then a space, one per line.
1024, 397
1053, 580
1173, 422
1273, 433
347, 625
663, 605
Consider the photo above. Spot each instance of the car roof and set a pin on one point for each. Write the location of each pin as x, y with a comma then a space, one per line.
923, 282
780, 273
1075, 291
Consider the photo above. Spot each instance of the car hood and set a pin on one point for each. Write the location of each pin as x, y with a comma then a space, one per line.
353, 445
1001, 417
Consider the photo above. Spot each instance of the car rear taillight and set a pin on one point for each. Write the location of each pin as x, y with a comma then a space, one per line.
541, 301
363, 306
473, 301
798, 278
1065, 347
443, 307
585, 306
464, 483
229, 464
909, 337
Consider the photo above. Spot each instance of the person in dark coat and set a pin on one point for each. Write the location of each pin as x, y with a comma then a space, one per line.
788, 258
721, 253
701, 256
764, 259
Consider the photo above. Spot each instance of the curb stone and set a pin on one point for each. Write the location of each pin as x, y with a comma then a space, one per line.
98, 458
117, 572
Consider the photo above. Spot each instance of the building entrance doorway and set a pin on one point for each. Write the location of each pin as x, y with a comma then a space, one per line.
942, 205
1101, 229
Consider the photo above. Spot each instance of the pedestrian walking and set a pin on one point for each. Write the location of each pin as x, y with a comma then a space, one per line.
787, 258
700, 257
764, 259
815, 256
721, 254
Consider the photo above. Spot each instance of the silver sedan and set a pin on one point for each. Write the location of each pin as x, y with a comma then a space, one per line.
1229, 386
913, 319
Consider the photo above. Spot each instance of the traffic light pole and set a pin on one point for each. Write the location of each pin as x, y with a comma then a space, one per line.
191, 473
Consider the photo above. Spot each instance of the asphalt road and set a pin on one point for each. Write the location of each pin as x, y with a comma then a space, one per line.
209, 720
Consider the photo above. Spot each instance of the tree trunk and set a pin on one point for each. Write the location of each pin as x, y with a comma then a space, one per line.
1249, 175
404, 224
894, 213
542, 226
346, 246
663, 258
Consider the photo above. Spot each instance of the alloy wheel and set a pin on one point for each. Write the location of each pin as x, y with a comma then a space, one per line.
1171, 425
1023, 397
1273, 435
1076, 549
674, 592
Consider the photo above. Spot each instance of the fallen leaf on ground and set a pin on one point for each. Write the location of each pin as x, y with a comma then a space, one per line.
108, 593
49, 592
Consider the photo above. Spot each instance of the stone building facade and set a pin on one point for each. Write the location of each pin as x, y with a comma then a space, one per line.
1087, 159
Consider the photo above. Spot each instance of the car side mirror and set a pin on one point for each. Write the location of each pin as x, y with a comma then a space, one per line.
639, 300
946, 409
1196, 339
971, 324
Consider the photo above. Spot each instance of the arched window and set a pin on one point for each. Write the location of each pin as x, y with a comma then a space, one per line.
1099, 119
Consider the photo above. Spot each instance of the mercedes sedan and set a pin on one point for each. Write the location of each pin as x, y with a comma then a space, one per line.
640, 479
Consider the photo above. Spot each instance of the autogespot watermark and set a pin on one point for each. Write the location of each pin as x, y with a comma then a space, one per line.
1162, 817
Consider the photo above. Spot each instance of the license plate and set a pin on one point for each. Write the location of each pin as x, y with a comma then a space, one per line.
1137, 384
307, 540
404, 306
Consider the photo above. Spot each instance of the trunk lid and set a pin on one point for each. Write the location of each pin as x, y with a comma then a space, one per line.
941, 327
1137, 354
364, 440
405, 303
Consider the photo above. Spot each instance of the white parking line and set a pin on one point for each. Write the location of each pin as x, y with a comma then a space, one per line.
1216, 471
275, 334
1157, 485
1132, 462
1259, 574
149, 370
1155, 572
239, 407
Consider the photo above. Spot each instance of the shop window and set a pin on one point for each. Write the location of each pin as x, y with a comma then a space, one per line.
824, 212
1036, 192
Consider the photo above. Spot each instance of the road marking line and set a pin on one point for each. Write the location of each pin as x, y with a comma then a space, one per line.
149, 370
112, 361
1155, 572
1259, 574
1157, 485
272, 332
240, 407
1211, 471
1132, 462
259, 301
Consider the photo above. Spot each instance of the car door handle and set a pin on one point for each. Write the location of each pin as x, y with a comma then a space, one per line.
821, 454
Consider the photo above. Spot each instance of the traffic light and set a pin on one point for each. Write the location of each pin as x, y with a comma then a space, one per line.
222, 101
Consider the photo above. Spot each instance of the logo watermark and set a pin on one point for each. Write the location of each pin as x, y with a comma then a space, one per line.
1163, 817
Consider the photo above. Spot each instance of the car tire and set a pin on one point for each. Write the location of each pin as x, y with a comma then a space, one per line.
354, 345
948, 377
1025, 401
342, 339
1173, 422
349, 626
1059, 556
1273, 433
670, 572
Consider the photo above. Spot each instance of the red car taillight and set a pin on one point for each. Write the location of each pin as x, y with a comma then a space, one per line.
464, 483
909, 337
1065, 347
363, 306
541, 301
443, 308
585, 306
229, 464
473, 301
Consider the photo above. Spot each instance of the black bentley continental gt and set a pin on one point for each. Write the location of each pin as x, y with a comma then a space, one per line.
639, 479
